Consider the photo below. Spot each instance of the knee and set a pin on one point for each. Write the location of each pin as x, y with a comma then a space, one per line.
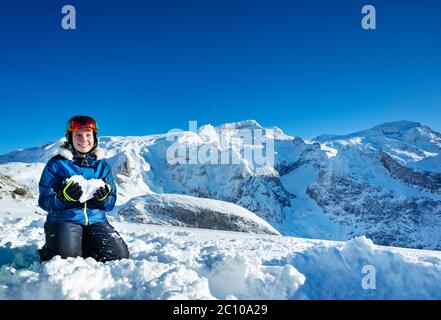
104, 243
63, 240
117, 251
59, 249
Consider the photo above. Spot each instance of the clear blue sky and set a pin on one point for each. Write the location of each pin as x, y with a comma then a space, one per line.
144, 67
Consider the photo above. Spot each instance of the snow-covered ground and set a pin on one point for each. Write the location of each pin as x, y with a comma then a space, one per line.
182, 263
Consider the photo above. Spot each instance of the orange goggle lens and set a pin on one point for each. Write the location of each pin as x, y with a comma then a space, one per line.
81, 123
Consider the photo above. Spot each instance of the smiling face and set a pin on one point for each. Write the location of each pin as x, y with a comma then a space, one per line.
83, 140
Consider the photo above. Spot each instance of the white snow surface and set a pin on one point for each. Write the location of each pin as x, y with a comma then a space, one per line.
181, 263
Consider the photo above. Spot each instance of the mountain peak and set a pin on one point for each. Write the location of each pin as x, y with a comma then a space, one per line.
244, 124
387, 128
396, 126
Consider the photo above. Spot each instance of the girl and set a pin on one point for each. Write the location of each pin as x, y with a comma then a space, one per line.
75, 229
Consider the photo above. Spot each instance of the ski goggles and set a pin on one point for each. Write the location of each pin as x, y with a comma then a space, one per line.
81, 122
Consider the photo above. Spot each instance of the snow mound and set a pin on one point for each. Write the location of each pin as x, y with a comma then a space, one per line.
338, 273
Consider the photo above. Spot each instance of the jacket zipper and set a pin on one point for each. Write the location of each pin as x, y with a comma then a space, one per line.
85, 213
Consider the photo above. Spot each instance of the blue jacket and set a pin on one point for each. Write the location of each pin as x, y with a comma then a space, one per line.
64, 165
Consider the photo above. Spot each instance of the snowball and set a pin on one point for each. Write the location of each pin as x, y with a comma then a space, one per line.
89, 187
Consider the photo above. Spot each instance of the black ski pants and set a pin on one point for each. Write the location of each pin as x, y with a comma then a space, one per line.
99, 241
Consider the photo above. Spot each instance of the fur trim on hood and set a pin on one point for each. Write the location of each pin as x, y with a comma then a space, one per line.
65, 150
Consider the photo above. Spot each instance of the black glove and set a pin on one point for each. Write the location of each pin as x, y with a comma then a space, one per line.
102, 193
70, 191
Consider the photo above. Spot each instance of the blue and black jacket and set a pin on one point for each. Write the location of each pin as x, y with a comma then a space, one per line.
62, 166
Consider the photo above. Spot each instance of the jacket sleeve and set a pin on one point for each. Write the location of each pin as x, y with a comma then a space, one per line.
109, 203
49, 184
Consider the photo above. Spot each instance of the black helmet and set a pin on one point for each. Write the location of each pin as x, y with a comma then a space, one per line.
81, 122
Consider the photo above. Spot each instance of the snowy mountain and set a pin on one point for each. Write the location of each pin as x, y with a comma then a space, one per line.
383, 182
